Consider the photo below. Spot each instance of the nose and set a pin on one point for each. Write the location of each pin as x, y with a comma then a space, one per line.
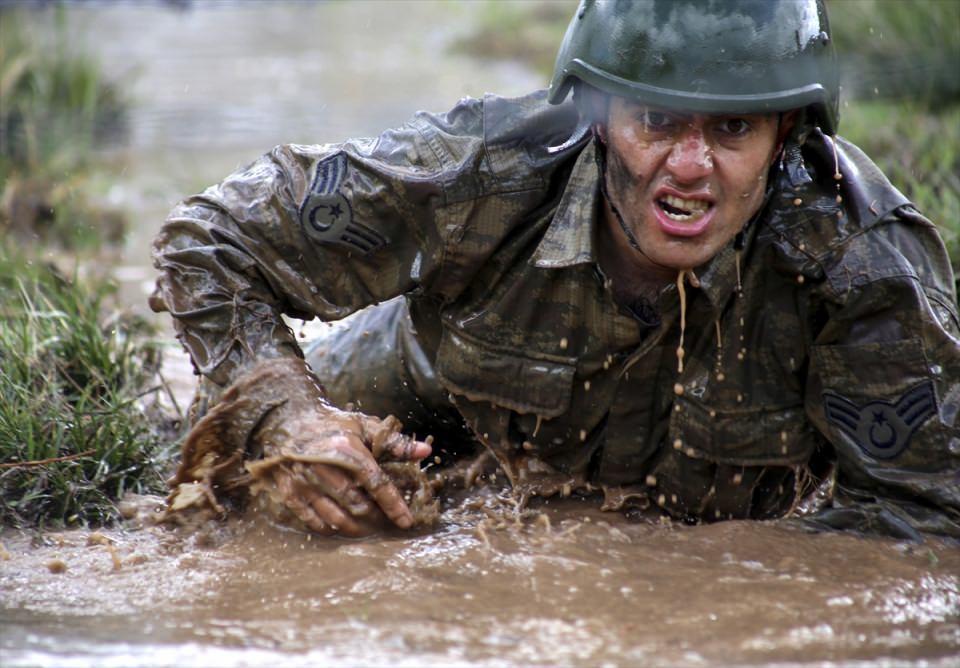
691, 157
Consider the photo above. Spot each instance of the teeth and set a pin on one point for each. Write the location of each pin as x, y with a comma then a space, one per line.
690, 208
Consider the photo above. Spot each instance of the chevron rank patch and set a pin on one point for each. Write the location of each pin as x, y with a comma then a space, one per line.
326, 215
882, 429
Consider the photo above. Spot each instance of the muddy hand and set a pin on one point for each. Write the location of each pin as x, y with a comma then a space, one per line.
332, 482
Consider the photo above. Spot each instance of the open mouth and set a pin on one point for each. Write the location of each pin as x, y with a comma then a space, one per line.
683, 210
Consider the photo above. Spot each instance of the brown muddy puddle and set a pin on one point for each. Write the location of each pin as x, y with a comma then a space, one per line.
576, 587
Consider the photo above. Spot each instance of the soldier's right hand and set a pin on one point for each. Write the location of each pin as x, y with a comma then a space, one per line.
327, 472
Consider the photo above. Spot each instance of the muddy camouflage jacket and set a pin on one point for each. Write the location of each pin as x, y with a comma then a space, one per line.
838, 358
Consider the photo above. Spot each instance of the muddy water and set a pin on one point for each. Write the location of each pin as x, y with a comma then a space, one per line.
218, 84
572, 587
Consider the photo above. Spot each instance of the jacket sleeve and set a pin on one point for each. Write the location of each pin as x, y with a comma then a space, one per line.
884, 384
309, 231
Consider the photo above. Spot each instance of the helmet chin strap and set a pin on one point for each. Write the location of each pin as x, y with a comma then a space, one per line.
601, 159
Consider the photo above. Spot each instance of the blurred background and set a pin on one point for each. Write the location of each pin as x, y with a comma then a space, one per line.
110, 112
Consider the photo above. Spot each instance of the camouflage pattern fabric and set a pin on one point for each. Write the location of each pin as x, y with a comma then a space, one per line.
833, 362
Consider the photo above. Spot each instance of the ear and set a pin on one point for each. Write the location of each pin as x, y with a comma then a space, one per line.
600, 132
787, 121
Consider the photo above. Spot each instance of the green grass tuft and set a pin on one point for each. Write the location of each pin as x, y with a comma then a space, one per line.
55, 107
72, 384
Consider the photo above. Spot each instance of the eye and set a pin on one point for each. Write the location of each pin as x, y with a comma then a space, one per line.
734, 126
655, 120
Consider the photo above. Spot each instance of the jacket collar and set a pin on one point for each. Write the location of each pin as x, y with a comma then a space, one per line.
568, 240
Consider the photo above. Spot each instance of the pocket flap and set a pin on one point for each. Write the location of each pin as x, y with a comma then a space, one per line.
881, 370
481, 372
757, 437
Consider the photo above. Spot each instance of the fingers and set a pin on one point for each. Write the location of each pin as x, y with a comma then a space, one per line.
360, 462
403, 448
347, 491
384, 439
340, 487
335, 517
305, 512
378, 486
317, 511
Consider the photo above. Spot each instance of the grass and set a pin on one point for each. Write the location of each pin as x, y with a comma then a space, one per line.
920, 154
55, 107
75, 375
74, 379
897, 50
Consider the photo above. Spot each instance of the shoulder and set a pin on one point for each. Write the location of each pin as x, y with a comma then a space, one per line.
508, 140
850, 233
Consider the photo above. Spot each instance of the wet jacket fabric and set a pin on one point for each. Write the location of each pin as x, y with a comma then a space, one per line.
831, 355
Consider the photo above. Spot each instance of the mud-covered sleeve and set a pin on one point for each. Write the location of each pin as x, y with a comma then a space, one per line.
309, 231
884, 385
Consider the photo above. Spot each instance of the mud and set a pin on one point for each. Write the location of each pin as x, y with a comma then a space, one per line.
567, 586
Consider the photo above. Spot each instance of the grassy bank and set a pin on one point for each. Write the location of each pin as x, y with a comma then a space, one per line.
75, 373
75, 377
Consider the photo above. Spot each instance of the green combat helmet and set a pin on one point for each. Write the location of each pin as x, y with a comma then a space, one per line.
707, 56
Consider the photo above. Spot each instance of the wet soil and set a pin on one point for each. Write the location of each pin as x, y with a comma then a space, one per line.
572, 586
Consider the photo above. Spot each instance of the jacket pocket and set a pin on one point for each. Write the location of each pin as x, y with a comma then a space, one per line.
480, 371
753, 436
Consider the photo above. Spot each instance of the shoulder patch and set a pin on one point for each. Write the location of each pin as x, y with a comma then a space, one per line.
882, 429
326, 215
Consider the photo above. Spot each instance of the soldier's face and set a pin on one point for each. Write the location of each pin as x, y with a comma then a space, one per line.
685, 184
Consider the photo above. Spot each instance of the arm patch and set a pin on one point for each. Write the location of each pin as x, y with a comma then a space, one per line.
326, 215
882, 429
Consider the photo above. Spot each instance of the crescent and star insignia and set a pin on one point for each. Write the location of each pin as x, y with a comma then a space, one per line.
326, 215
882, 429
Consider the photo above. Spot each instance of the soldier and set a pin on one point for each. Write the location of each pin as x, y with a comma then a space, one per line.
681, 288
